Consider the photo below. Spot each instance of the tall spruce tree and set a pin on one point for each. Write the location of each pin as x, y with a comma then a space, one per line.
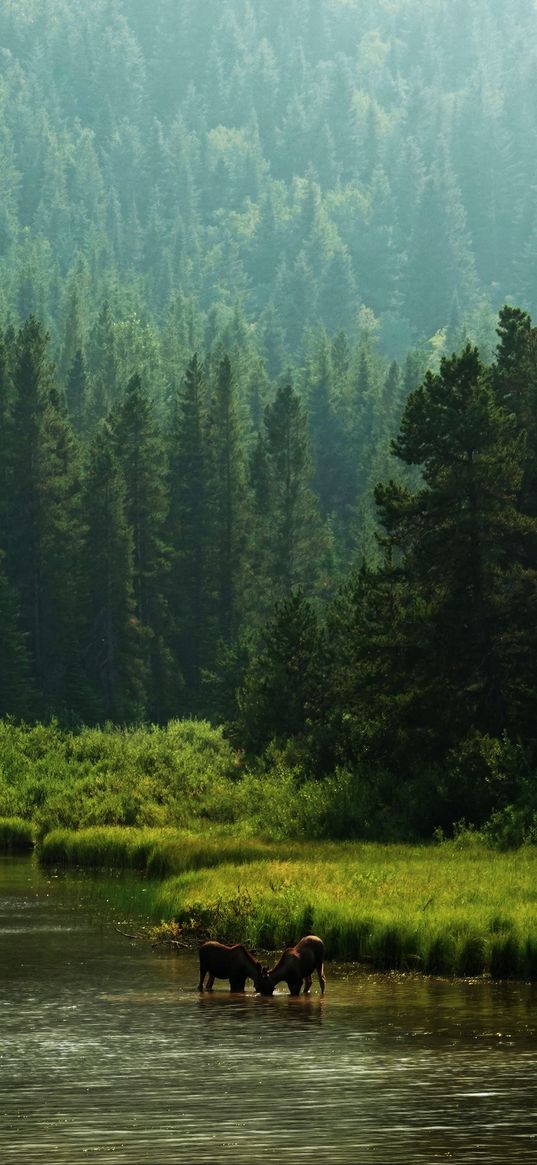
6, 436
188, 531
294, 534
77, 392
227, 504
32, 378
61, 590
16, 689
514, 377
455, 537
115, 647
280, 697
140, 451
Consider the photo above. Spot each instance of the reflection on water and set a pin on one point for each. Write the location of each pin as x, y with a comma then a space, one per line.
109, 1054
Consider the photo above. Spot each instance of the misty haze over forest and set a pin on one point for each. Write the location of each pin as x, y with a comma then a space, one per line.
292, 161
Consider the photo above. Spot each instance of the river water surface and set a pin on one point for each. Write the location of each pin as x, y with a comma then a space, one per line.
108, 1054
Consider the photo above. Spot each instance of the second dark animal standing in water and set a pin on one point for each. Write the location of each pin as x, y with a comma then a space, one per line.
295, 967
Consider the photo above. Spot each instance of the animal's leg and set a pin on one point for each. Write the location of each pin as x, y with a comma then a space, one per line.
294, 986
322, 980
237, 984
307, 984
203, 972
210, 981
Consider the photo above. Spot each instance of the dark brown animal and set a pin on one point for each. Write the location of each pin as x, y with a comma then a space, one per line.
295, 967
234, 963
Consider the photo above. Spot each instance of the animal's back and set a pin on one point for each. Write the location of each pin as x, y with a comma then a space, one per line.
310, 950
216, 955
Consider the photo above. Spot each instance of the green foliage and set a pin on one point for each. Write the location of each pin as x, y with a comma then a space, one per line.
134, 777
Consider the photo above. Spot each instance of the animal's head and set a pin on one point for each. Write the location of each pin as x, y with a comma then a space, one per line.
263, 983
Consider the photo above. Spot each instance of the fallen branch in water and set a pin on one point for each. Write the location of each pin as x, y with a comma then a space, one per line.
171, 942
136, 937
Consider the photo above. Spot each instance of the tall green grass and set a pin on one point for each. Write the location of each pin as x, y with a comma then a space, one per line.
16, 836
156, 852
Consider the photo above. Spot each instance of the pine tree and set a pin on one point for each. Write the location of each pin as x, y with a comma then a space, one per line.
16, 691
115, 641
77, 392
227, 504
32, 377
139, 449
188, 530
369, 647
328, 441
294, 533
440, 244
61, 595
102, 363
281, 692
456, 536
6, 436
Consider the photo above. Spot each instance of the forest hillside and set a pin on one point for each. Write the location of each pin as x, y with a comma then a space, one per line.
268, 387
294, 162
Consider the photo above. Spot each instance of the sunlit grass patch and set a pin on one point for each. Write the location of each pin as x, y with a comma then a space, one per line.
437, 909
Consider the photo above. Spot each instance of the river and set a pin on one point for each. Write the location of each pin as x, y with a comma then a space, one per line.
109, 1054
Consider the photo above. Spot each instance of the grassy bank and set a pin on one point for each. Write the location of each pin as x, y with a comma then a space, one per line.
156, 852
447, 909
16, 836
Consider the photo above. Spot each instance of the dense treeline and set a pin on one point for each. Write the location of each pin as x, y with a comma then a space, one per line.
282, 165
422, 675
140, 551
159, 570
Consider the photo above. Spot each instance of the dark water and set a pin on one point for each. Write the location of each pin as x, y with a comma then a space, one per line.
108, 1054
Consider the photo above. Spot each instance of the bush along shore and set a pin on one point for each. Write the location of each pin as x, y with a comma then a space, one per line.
454, 908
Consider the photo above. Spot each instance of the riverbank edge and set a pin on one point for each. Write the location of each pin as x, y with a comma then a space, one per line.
16, 835
262, 894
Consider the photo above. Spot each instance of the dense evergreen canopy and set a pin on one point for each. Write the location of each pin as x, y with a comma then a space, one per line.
293, 161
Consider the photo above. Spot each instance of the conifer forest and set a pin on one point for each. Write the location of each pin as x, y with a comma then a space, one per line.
268, 387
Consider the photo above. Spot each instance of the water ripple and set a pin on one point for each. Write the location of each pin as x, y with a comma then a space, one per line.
108, 1054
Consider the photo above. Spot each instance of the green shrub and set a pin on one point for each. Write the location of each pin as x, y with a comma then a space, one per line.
134, 777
